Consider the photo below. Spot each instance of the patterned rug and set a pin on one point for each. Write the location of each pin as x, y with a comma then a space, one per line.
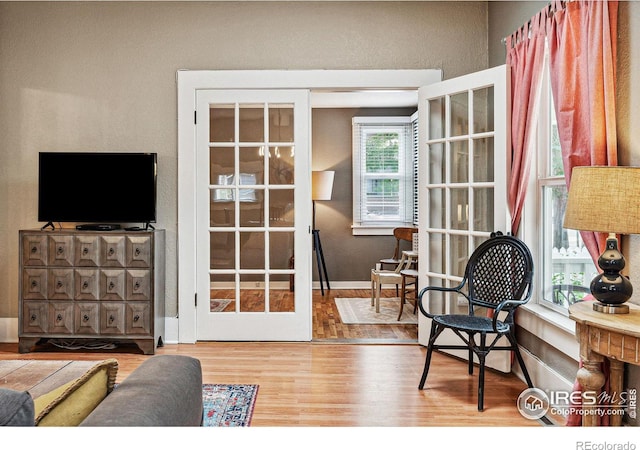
360, 311
228, 405
218, 305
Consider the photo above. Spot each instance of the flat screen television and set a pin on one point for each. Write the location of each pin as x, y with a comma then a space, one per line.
97, 188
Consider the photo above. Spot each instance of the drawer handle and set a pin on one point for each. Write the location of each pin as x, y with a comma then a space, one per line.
111, 251
85, 251
33, 317
111, 319
59, 318
34, 284
34, 249
136, 286
137, 251
59, 284
136, 318
85, 285
111, 285
60, 250
85, 318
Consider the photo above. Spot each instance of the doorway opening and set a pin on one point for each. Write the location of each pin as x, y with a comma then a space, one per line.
191, 84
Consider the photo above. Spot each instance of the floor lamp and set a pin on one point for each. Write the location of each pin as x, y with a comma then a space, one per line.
321, 189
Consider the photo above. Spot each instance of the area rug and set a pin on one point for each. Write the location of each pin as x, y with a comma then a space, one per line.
360, 311
228, 405
218, 305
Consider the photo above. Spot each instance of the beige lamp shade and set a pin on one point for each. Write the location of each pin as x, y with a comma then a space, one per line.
322, 184
604, 199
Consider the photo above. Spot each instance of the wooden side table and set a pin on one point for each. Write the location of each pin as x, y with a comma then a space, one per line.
601, 335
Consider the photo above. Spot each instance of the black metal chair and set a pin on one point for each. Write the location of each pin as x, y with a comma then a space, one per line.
568, 294
498, 276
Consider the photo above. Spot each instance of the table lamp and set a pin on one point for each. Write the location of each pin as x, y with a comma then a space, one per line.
606, 199
321, 189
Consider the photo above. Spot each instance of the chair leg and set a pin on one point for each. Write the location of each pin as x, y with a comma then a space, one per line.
432, 337
373, 288
402, 296
516, 350
471, 353
481, 358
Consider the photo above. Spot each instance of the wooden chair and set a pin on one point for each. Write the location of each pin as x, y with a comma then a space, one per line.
401, 234
409, 284
380, 277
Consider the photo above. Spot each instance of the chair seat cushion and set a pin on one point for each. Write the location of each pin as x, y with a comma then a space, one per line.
470, 323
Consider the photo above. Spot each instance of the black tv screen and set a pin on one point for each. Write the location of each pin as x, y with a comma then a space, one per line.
97, 187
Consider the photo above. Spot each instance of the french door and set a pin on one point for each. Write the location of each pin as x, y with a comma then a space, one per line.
252, 209
462, 178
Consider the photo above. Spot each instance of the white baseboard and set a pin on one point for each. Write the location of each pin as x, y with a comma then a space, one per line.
171, 335
344, 285
542, 376
9, 330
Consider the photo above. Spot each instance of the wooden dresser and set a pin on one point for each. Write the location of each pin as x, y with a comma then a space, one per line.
87, 287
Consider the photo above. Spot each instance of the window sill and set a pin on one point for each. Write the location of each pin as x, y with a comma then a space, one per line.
377, 230
552, 327
372, 230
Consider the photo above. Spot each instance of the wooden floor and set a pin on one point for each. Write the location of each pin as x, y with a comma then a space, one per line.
334, 383
327, 323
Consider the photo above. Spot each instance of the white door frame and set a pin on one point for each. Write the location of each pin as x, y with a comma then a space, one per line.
498, 77
189, 82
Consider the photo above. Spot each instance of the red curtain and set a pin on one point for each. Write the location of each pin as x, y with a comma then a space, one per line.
525, 57
582, 49
582, 46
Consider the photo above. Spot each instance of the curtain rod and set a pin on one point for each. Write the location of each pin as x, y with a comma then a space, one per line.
550, 8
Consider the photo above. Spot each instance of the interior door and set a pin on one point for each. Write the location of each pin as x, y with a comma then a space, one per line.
253, 244
462, 178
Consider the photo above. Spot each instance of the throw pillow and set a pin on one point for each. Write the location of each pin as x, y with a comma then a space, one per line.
70, 403
16, 408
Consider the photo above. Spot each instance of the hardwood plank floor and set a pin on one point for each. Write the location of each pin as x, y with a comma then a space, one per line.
369, 383
323, 384
327, 323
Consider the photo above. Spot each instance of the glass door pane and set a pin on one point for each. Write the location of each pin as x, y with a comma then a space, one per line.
253, 193
462, 199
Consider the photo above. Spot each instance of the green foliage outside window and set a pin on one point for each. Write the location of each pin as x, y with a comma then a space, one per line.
382, 157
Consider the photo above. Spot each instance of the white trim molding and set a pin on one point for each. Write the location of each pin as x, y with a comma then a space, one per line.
189, 82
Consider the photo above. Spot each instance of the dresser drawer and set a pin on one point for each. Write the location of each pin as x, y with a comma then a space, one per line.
112, 318
61, 317
87, 318
34, 250
34, 284
35, 316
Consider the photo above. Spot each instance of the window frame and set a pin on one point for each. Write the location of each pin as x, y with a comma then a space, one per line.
535, 222
406, 173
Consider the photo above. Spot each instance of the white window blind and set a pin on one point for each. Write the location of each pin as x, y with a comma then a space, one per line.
414, 151
383, 171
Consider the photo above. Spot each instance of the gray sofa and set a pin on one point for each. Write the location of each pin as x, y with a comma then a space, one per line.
165, 390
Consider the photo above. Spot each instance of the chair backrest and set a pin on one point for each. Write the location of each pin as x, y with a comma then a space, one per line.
500, 268
402, 234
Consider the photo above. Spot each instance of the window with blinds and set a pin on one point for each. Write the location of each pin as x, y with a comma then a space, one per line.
383, 173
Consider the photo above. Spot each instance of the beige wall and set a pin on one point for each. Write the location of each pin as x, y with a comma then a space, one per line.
100, 76
348, 257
